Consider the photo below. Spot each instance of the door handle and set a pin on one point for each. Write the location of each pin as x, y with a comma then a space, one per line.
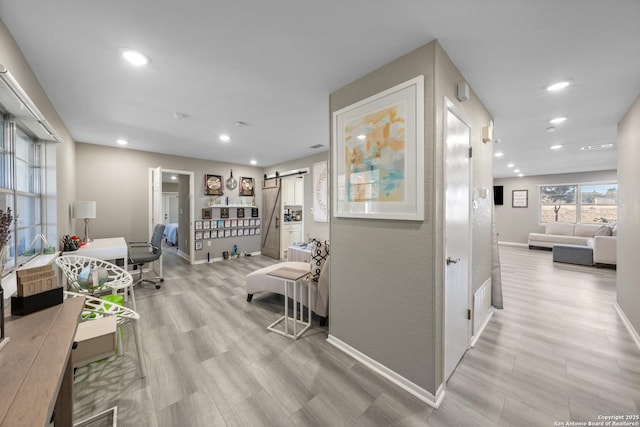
452, 261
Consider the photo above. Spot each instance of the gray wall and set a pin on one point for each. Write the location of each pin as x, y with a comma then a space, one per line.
64, 190
317, 230
118, 182
386, 284
629, 214
515, 224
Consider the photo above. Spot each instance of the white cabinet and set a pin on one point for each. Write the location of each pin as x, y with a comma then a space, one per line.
291, 233
292, 192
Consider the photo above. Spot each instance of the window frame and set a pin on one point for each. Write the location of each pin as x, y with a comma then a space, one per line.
578, 200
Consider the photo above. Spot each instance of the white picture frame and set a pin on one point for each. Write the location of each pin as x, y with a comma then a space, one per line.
378, 147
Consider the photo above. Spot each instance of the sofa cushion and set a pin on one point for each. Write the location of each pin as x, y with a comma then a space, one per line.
319, 254
585, 230
559, 228
604, 230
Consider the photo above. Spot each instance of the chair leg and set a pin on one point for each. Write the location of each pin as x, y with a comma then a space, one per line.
323, 321
249, 297
138, 340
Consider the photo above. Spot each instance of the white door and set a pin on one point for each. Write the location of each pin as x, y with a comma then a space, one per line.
457, 239
170, 208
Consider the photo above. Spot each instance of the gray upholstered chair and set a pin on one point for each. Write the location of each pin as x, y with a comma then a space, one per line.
141, 253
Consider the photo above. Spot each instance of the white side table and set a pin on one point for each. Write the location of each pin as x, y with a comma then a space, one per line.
299, 253
294, 277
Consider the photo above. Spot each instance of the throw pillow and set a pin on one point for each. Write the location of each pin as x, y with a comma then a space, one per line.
605, 230
319, 254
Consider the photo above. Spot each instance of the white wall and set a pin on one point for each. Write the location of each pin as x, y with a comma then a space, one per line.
628, 284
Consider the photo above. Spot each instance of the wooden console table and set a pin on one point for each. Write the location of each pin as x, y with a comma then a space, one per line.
36, 369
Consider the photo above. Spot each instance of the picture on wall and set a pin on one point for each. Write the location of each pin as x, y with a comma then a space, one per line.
207, 213
246, 186
240, 212
320, 192
520, 198
224, 212
213, 185
378, 147
198, 245
254, 212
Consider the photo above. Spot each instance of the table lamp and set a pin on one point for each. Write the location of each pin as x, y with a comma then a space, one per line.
86, 211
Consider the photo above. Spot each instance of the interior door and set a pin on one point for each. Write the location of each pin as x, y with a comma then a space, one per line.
457, 239
170, 207
271, 221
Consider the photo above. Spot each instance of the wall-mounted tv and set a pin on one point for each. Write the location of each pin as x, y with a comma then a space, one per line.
498, 195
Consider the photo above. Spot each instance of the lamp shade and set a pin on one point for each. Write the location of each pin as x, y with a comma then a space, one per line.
84, 210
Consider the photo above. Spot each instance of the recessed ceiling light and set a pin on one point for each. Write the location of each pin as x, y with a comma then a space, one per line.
253, 162
550, 129
516, 170
597, 147
362, 137
557, 86
520, 175
499, 154
136, 58
556, 147
225, 138
173, 177
558, 120
510, 165
122, 141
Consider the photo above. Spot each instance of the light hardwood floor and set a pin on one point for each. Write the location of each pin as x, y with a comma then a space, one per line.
557, 352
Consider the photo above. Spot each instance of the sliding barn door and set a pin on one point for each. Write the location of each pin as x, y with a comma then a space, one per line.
271, 195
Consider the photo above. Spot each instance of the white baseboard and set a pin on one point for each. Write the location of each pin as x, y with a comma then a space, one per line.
389, 374
627, 323
218, 259
524, 245
183, 255
482, 310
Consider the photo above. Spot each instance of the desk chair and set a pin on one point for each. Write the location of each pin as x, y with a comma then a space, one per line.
141, 253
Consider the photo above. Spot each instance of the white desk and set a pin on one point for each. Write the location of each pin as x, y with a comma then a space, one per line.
112, 248
295, 277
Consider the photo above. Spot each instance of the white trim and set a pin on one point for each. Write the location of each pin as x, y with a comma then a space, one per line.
627, 323
476, 337
389, 374
523, 245
218, 259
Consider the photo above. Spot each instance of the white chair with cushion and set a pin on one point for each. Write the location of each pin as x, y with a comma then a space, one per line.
260, 281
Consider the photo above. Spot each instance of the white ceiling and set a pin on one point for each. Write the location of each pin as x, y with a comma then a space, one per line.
273, 64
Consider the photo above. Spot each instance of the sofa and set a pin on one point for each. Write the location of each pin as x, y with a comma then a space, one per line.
564, 233
601, 238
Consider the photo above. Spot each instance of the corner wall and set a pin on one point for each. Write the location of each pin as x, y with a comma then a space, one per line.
387, 276
629, 215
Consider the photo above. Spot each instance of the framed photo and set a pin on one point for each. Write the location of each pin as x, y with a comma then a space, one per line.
206, 235
206, 225
214, 234
198, 245
234, 222
251, 232
378, 144
224, 212
246, 231
227, 233
520, 198
221, 223
258, 230
214, 224
258, 221
198, 235
227, 223
252, 222
198, 225
254, 212
207, 213
213, 185
246, 186
220, 234
240, 213
234, 232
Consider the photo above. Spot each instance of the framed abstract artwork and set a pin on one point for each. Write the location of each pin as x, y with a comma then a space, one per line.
378, 147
